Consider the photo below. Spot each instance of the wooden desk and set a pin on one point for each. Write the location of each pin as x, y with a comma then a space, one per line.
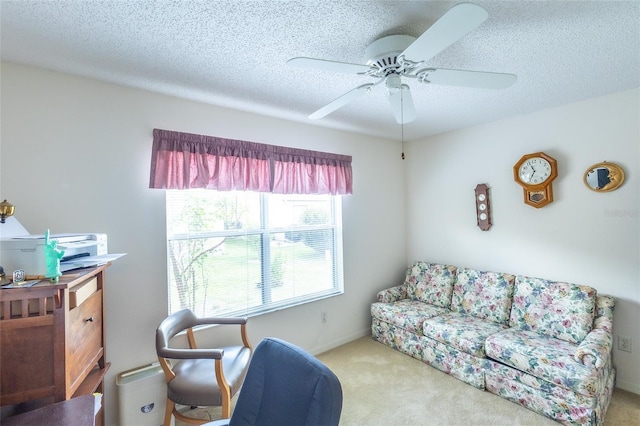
52, 339
80, 411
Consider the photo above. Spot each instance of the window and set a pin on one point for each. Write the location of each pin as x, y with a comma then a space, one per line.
251, 227
246, 253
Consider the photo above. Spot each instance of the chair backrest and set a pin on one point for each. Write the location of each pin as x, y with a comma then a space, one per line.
286, 385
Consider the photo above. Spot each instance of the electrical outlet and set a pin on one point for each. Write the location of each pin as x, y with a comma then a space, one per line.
323, 317
624, 343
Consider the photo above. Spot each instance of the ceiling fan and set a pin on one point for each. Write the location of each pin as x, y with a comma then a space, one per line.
395, 57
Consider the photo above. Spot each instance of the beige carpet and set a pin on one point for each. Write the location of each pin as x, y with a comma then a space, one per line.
382, 386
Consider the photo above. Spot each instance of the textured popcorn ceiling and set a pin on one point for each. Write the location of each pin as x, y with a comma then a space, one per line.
234, 53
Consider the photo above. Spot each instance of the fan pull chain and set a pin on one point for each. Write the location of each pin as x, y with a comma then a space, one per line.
402, 156
402, 120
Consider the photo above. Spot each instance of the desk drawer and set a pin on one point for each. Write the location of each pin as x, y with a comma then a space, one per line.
85, 336
81, 292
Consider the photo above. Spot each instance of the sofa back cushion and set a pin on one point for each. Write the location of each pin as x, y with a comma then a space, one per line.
483, 294
555, 309
431, 283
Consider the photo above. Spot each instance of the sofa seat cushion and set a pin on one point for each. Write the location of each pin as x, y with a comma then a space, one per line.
431, 283
483, 294
544, 357
407, 314
556, 309
463, 332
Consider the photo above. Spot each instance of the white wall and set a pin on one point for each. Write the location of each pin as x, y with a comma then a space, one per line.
583, 237
74, 157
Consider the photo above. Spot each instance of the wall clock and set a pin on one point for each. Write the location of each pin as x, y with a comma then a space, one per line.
535, 172
483, 207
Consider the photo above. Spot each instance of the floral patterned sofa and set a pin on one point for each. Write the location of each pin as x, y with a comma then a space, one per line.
542, 344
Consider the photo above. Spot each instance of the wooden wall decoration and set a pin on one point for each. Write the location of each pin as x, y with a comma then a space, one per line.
483, 207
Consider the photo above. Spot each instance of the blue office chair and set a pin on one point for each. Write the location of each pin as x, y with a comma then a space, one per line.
286, 386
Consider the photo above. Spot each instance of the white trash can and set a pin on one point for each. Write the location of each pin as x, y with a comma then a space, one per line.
142, 395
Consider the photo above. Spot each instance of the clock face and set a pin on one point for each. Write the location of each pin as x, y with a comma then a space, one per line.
534, 171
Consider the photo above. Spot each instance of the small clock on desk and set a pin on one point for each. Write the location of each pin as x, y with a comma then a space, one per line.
535, 172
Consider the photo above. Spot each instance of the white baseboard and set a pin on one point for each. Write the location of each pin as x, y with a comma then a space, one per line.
346, 339
628, 386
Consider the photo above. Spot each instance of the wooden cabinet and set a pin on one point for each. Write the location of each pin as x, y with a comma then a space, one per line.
52, 339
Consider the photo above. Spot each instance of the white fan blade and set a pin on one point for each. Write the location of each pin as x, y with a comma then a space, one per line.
452, 26
477, 79
333, 66
402, 104
341, 101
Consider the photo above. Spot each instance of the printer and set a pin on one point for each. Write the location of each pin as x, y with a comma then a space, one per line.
27, 252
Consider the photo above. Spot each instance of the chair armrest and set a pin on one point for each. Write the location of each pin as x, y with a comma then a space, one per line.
595, 349
393, 294
220, 321
175, 353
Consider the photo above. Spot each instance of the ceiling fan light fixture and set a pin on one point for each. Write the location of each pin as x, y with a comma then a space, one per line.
393, 83
402, 104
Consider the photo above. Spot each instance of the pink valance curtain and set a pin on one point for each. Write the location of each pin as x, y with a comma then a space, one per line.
184, 160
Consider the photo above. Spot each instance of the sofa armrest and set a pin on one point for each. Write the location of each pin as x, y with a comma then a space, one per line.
595, 349
393, 294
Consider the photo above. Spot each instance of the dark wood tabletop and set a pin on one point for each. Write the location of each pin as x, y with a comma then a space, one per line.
80, 411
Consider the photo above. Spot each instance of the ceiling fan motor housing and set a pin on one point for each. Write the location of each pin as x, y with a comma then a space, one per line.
383, 53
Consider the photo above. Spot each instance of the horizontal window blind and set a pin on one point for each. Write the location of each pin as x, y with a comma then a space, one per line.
246, 253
